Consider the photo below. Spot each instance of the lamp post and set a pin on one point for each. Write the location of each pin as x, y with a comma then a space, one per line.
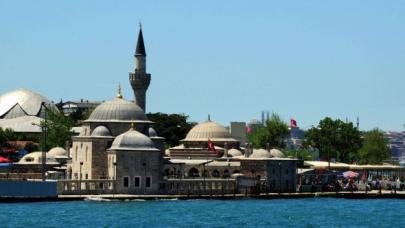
115, 178
144, 171
44, 136
80, 178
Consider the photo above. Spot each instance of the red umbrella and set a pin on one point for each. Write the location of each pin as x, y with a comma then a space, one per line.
350, 174
4, 160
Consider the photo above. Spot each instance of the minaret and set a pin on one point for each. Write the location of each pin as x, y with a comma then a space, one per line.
139, 79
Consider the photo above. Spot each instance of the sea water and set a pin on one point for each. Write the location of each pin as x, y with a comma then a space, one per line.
314, 212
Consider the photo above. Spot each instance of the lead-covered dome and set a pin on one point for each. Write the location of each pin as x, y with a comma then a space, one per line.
277, 153
101, 131
234, 152
118, 110
57, 151
134, 141
23, 102
260, 153
209, 130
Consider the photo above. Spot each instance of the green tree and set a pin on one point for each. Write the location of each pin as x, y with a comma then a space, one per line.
173, 127
273, 133
303, 154
57, 129
375, 147
7, 135
334, 139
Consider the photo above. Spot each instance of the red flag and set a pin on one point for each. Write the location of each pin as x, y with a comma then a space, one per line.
248, 129
4, 160
211, 146
293, 123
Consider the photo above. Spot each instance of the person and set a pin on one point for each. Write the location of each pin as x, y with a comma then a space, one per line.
378, 185
397, 185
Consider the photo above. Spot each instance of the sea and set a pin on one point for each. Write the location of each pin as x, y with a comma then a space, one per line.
313, 212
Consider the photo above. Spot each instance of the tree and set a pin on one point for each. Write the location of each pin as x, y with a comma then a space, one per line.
7, 135
273, 133
375, 147
57, 129
173, 127
303, 154
334, 139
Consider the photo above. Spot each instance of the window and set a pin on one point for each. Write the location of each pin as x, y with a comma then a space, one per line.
148, 182
87, 176
137, 182
86, 152
126, 182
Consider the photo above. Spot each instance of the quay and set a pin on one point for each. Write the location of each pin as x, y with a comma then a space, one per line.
127, 197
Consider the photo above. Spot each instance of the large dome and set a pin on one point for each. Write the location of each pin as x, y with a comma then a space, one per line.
22, 102
118, 110
133, 140
209, 130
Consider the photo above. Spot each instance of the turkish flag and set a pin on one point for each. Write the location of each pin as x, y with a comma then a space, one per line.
211, 146
293, 123
248, 129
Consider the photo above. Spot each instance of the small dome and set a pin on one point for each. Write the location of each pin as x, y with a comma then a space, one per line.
118, 110
234, 152
35, 158
152, 132
23, 102
57, 151
277, 153
209, 130
260, 153
133, 140
101, 131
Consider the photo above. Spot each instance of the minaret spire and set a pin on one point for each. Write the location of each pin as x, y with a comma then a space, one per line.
139, 79
140, 45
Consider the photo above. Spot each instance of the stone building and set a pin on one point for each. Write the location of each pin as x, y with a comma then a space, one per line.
134, 159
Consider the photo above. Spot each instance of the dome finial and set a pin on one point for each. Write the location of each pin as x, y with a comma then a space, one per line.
209, 117
119, 94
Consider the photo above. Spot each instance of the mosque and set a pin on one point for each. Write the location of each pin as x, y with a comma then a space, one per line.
118, 146
117, 142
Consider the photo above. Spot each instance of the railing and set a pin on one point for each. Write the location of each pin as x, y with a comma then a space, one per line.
86, 187
201, 186
197, 186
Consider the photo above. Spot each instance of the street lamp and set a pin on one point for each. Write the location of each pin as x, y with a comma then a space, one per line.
115, 178
44, 136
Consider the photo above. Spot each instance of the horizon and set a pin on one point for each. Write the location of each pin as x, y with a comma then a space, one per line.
306, 61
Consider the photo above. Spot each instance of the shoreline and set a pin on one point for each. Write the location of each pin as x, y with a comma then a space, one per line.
265, 196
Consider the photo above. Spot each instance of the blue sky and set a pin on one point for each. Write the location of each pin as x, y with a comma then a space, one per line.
232, 59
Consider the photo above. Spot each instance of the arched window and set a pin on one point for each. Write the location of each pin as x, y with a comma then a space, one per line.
193, 172
215, 173
87, 148
226, 173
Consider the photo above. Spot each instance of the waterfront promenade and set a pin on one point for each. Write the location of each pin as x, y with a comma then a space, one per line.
348, 195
